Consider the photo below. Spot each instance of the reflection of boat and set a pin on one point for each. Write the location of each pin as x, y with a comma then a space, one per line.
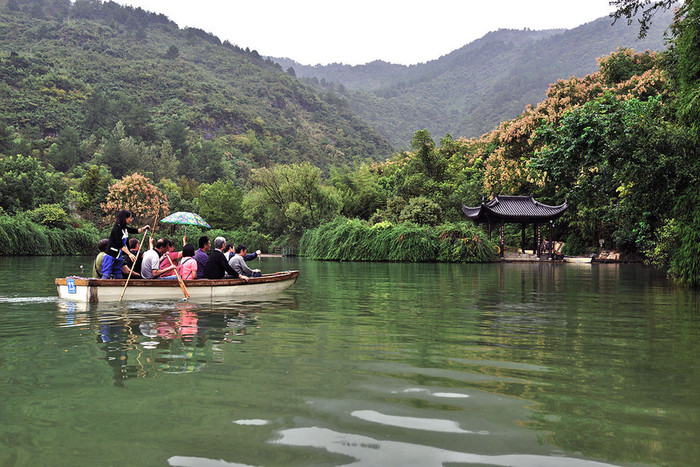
83, 289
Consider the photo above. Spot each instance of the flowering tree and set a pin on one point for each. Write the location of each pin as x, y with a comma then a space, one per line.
137, 194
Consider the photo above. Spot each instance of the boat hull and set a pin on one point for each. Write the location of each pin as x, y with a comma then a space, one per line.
81, 289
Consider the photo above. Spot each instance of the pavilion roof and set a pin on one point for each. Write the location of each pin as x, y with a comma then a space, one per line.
513, 209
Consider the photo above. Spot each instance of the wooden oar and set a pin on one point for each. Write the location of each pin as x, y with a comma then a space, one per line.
131, 271
179, 279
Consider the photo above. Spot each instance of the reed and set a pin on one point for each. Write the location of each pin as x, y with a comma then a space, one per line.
22, 237
354, 240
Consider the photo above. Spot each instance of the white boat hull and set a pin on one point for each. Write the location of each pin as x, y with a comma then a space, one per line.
90, 290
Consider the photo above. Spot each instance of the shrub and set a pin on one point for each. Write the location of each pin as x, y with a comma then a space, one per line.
354, 240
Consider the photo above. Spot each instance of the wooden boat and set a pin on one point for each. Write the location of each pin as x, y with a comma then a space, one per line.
578, 259
83, 289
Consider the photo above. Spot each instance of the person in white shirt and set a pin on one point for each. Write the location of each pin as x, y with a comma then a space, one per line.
150, 265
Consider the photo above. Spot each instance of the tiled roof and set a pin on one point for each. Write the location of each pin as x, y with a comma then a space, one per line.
514, 209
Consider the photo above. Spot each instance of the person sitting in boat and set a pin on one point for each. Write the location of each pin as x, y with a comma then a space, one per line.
150, 266
237, 262
202, 255
135, 249
217, 265
97, 264
188, 265
171, 256
227, 250
117, 248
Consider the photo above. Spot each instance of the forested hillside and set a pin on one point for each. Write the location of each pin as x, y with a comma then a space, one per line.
471, 90
73, 71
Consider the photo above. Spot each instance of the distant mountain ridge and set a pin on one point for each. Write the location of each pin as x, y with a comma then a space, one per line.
380, 74
472, 89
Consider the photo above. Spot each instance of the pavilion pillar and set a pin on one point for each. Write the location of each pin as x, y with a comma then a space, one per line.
522, 240
535, 239
551, 251
503, 240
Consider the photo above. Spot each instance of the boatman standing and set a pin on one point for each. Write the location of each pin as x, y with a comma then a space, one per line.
117, 247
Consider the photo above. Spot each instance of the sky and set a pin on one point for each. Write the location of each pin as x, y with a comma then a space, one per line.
359, 31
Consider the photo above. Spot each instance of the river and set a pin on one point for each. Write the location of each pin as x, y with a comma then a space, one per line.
368, 363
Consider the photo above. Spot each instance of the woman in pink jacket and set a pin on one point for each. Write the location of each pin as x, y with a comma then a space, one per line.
188, 265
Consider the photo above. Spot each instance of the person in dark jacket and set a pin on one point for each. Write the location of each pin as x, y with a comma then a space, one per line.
117, 247
217, 266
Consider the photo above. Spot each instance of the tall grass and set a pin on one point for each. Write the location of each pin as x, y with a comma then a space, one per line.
22, 237
354, 240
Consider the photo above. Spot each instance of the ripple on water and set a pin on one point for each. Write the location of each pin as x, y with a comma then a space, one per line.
414, 423
370, 451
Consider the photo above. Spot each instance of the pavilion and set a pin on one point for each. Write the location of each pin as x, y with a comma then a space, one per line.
524, 210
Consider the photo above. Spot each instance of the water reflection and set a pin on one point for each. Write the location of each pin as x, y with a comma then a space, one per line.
141, 340
413, 423
365, 450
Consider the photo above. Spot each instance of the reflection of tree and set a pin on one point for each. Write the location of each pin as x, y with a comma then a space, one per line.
565, 338
593, 356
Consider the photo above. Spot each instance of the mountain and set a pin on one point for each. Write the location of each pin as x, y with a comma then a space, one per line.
471, 90
88, 65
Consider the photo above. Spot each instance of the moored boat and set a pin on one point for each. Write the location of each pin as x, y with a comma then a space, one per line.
83, 289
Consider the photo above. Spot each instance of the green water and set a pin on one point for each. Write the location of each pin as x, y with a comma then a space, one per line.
376, 364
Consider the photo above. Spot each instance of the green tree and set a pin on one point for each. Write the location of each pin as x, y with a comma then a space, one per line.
176, 131
287, 199
220, 205
172, 53
64, 154
168, 164
422, 211
360, 192
93, 187
620, 165
25, 184
119, 152
685, 52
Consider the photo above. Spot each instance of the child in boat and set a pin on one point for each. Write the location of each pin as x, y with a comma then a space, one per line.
97, 264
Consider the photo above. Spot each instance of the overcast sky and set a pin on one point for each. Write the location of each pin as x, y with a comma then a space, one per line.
359, 31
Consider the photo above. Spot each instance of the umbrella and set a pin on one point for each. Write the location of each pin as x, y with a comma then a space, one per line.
185, 218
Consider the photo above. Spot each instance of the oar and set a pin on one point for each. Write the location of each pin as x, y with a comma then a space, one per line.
179, 279
131, 271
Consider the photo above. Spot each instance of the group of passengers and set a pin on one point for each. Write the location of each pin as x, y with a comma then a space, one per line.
120, 255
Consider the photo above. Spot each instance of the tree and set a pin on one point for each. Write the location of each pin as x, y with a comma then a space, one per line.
64, 154
5, 139
176, 131
288, 199
620, 165
360, 191
119, 152
220, 205
630, 8
421, 210
685, 49
137, 194
25, 184
93, 188
167, 162
172, 53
